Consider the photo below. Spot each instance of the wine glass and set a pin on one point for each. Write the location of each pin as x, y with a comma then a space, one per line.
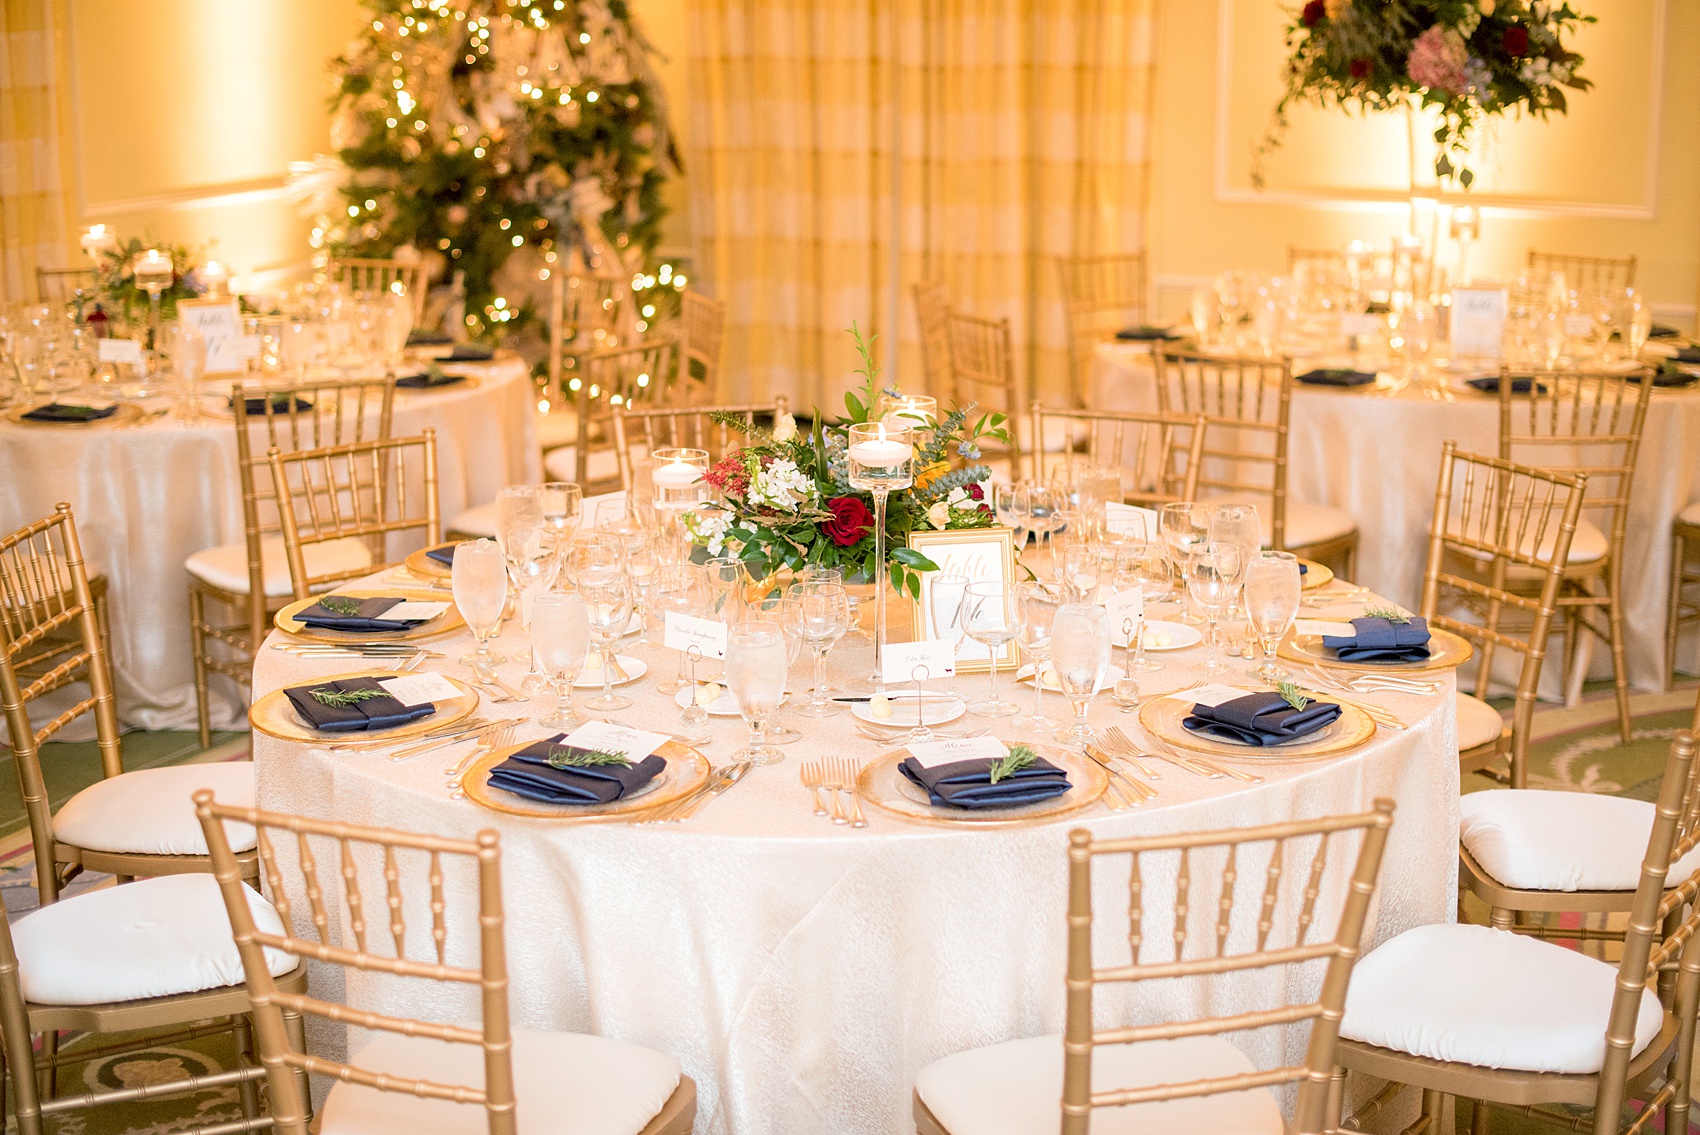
823, 617
1237, 524
1145, 567
1184, 525
1011, 506
1080, 654
681, 588
479, 580
395, 323
188, 350
562, 503
1039, 607
1636, 317
1044, 513
993, 619
755, 676
1078, 576
643, 564
726, 578
607, 595
531, 568
1212, 579
1271, 604
786, 615
560, 639
517, 506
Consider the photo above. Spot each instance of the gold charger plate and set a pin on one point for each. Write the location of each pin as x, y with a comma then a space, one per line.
127, 412
422, 565
275, 716
1162, 719
687, 770
883, 787
448, 621
1447, 651
1316, 575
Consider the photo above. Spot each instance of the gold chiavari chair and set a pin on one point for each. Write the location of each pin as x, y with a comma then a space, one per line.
1581, 273
585, 318
371, 491
1249, 404
251, 578
1684, 599
1526, 1026
1491, 516
649, 372
702, 328
60, 285
396, 1083
1179, 1075
127, 823
373, 276
1582, 422
1160, 455
982, 368
932, 313
639, 431
153, 957
1101, 295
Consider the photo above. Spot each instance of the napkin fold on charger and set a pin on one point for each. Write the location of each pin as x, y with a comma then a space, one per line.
1489, 384
443, 554
1382, 640
1336, 376
381, 712
968, 784
1687, 355
1663, 331
64, 412
369, 618
279, 404
1260, 719
429, 379
528, 773
471, 353
428, 339
1146, 332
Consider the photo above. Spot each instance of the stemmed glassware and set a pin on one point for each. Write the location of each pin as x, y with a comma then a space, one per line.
1213, 578
1237, 524
479, 580
643, 564
1045, 514
532, 565
726, 579
881, 458
1039, 606
1271, 604
607, 595
1144, 567
755, 674
560, 639
592, 551
153, 272
562, 504
395, 323
993, 618
786, 614
188, 350
1013, 511
1635, 316
1080, 654
823, 617
1183, 525
681, 588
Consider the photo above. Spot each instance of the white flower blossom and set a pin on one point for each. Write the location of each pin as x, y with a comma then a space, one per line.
938, 514
784, 426
708, 529
780, 485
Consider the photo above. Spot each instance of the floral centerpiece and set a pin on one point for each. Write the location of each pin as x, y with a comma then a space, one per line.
1469, 59
786, 499
115, 279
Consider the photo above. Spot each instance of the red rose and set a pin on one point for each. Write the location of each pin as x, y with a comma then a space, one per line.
975, 492
1516, 39
1313, 13
1360, 68
850, 521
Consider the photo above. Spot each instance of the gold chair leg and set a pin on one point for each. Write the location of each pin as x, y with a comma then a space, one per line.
243, 1033
1619, 662
1478, 1118
1678, 556
50, 1074
295, 1026
1501, 919
198, 639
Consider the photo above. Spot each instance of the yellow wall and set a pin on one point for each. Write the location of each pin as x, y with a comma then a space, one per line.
1571, 185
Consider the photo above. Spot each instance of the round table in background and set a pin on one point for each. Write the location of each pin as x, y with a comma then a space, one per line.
147, 498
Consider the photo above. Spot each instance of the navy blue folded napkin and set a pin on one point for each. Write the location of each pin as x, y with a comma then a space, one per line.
1382, 640
1146, 332
968, 784
471, 353
531, 773
1260, 719
279, 404
64, 412
428, 339
428, 379
1669, 375
1662, 331
368, 616
1688, 354
329, 708
1304, 568
1336, 376
1489, 384
443, 554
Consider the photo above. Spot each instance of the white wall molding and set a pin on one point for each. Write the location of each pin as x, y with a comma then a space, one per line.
251, 191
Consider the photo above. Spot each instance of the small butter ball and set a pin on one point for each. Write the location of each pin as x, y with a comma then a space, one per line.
1164, 638
880, 706
707, 694
593, 661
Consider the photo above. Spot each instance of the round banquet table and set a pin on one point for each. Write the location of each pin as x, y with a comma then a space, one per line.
803, 973
1377, 455
147, 498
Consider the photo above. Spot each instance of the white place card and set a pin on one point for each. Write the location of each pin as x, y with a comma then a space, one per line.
604, 736
126, 351
414, 610
220, 324
529, 596
417, 689
931, 754
1126, 610
685, 631
1324, 627
1478, 322
1213, 694
903, 659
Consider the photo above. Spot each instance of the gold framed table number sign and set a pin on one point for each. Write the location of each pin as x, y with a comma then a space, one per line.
221, 325
979, 554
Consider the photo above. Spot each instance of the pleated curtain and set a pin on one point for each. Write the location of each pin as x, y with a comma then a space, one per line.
33, 222
1020, 138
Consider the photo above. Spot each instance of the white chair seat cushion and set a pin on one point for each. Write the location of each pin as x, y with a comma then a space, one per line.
150, 812
1307, 523
1538, 840
1476, 995
477, 521
562, 464
226, 566
1691, 514
588, 1085
1478, 723
1588, 546
150, 938
1015, 1088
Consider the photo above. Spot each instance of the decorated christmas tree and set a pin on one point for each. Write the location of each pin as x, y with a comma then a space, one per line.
503, 142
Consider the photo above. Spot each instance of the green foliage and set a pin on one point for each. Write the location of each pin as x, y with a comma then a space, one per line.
1391, 614
1290, 694
1018, 758
342, 699
564, 756
340, 605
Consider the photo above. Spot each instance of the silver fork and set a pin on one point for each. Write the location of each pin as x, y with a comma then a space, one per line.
810, 775
494, 739
845, 776
1122, 744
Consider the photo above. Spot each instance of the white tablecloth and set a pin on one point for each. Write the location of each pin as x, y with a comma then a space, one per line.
145, 499
1378, 458
803, 973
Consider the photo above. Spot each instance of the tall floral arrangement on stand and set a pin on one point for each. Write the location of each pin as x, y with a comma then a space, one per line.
785, 499
1469, 59
500, 140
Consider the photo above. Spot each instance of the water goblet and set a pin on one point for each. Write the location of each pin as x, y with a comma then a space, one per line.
517, 506
786, 614
823, 610
755, 675
643, 565
1039, 606
1212, 579
993, 619
1080, 654
562, 503
187, 348
607, 595
479, 580
1183, 525
560, 639
1011, 506
591, 551
532, 564
1271, 599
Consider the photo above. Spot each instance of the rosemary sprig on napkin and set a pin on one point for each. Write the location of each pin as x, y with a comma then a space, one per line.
1291, 695
1019, 757
1391, 614
340, 605
342, 699
562, 757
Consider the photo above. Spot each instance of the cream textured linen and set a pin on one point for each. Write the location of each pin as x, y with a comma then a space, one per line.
146, 499
804, 973
1379, 458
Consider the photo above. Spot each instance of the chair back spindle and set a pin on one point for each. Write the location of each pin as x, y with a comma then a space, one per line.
932, 313
1101, 295
642, 430
1160, 455
372, 276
